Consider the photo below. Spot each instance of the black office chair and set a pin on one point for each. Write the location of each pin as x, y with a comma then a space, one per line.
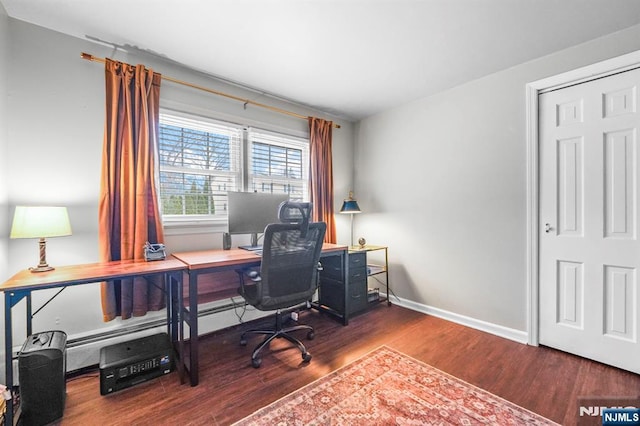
288, 273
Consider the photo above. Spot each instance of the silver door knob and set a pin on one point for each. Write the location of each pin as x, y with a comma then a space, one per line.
547, 227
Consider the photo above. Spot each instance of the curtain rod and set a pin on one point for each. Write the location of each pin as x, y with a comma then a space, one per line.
90, 57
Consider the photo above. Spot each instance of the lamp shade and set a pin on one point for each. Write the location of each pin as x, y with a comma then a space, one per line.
40, 222
350, 205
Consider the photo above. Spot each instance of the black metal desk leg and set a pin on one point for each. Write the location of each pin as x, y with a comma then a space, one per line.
193, 328
29, 316
345, 277
172, 318
173, 282
178, 312
8, 355
168, 300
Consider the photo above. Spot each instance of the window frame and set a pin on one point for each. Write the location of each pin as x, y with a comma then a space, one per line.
197, 224
280, 140
200, 222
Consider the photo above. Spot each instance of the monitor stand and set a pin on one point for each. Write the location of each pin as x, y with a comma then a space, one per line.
254, 243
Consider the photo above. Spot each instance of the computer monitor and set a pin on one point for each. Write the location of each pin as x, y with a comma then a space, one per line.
251, 212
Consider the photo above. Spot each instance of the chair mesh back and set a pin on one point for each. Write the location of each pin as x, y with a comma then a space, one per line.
294, 212
289, 263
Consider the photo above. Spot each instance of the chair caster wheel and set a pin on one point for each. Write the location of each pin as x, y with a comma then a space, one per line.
256, 362
311, 335
306, 357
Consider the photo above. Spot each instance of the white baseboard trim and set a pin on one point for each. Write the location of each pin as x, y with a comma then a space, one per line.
498, 330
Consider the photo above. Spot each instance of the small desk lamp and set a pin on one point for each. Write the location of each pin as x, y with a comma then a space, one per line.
40, 222
350, 206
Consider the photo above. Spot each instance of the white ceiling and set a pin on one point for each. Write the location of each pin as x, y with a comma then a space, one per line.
352, 58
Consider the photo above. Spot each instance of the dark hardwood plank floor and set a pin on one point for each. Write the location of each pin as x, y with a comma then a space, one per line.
540, 379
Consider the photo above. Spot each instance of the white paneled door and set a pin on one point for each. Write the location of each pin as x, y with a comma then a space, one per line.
589, 218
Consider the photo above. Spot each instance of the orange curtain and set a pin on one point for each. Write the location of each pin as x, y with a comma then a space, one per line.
128, 212
321, 182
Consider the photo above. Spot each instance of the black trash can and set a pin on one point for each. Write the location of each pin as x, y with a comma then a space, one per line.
42, 365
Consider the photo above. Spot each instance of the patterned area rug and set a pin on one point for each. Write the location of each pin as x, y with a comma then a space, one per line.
386, 387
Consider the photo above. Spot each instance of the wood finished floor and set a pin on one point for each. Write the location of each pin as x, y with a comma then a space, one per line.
540, 379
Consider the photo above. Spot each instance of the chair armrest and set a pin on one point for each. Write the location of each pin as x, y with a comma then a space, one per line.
250, 288
249, 273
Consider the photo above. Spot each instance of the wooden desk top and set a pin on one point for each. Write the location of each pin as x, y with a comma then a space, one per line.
96, 272
205, 259
91, 272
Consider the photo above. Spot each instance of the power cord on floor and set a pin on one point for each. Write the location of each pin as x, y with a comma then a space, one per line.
236, 306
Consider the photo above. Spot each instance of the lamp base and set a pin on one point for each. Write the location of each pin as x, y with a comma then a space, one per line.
42, 268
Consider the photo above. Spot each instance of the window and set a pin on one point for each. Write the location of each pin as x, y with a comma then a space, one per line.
201, 160
279, 164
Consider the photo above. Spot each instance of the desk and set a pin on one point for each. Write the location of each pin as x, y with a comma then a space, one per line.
208, 261
22, 284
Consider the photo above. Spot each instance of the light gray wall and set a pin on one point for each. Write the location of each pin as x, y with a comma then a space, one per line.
449, 199
442, 181
55, 122
4, 209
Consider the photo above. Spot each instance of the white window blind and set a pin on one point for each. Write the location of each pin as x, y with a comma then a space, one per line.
200, 160
278, 164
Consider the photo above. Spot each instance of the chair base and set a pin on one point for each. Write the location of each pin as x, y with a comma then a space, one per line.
278, 332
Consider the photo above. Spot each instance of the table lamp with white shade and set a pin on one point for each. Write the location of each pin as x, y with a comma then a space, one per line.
40, 222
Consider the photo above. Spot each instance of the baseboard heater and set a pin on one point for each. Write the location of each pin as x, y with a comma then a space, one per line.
98, 337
